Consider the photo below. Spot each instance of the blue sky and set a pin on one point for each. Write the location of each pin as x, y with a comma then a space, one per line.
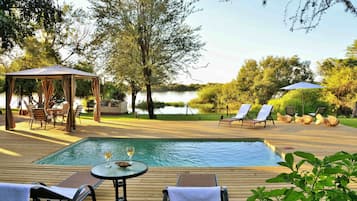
241, 29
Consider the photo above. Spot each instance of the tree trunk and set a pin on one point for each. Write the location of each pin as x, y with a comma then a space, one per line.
150, 103
133, 100
354, 112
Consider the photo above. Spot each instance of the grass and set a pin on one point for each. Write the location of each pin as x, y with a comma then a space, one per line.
165, 117
351, 122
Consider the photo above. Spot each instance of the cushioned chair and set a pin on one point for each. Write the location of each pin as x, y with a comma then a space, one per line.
39, 114
64, 112
264, 114
319, 110
199, 185
240, 116
77, 187
77, 112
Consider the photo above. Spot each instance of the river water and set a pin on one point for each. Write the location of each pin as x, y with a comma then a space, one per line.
169, 96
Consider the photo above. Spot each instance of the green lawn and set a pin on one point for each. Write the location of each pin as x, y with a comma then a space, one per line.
352, 122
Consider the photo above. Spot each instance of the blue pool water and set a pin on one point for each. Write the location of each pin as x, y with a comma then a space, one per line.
167, 152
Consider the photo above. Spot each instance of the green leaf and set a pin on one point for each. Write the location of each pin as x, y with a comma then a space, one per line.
308, 156
294, 196
285, 164
337, 157
277, 192
283, 177
289, 158
333, 170
299, 164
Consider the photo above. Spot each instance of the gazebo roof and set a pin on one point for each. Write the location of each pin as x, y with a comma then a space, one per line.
54, 72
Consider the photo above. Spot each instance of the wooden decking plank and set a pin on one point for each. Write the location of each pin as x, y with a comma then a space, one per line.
19, 148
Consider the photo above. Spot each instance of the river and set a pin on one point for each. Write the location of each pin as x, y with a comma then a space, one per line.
169, 96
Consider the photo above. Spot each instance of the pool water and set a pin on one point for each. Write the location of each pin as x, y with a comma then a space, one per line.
167, 152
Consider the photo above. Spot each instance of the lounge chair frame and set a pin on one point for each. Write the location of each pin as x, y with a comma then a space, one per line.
197, 180
267, 116
240, 116
88, 184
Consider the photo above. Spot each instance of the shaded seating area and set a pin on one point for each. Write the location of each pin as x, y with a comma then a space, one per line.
197, 187
47, 75
264, 114
240, 116
77, 187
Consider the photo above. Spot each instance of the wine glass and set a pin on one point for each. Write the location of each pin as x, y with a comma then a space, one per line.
130, 150
108, 155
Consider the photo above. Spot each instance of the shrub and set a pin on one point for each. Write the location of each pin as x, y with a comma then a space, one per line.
312, 100
327, 179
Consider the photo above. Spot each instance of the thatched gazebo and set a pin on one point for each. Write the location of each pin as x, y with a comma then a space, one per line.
47, 75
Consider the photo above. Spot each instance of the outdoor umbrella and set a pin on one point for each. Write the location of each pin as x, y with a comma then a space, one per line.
302, 85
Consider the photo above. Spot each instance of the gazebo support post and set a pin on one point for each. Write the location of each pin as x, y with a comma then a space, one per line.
70, 119
8, 113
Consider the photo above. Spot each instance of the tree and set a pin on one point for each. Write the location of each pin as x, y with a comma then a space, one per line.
124, 65
257, 83
20, 19
246, 79
340, 81
166, 44
36, 54
352, 51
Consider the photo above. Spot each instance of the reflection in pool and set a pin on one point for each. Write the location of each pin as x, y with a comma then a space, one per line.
168, 152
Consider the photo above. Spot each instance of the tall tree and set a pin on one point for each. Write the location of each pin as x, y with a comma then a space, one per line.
352, 51
124, 65
258, 82
20, 19
166, 44
340, 81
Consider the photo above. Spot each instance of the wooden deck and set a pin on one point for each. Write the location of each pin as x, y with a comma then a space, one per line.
19, 148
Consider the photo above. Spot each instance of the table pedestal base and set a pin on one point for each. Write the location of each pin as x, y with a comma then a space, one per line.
120, 184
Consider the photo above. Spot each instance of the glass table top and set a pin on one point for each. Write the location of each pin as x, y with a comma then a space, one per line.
115, 172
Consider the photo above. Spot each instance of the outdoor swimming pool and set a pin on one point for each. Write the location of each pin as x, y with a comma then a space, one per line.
168, 152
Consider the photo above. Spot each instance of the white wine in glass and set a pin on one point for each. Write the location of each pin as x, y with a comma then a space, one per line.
130, 151
108, 155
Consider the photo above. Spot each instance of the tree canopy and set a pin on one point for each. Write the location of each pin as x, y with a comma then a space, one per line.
159, 42
257, 82
20, 19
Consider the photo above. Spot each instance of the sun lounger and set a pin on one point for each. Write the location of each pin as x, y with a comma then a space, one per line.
240, 116
196, 187
77, 187
264, 114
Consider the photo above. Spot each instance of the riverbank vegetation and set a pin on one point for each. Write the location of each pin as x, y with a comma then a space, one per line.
260, 82
143, 105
